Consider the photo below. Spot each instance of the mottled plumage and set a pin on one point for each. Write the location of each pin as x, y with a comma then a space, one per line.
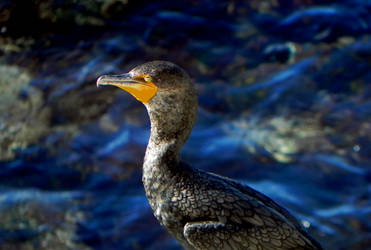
203, 210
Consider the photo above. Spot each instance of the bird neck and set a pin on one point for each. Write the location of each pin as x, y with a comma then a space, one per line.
161, 161
171, 124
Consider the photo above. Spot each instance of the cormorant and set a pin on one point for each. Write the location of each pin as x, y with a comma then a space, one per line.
201, 210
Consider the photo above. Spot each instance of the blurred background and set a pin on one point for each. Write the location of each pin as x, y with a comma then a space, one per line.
285, 106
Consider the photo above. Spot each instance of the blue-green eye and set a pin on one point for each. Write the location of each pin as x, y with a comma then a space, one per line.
147, 78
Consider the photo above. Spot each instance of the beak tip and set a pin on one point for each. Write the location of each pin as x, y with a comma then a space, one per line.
99, 81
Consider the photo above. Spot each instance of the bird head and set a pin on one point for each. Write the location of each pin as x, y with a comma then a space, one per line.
168, 94
146, 81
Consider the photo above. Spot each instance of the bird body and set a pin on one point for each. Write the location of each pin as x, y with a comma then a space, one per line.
200, 209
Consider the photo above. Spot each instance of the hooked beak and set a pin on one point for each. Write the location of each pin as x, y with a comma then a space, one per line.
142, 90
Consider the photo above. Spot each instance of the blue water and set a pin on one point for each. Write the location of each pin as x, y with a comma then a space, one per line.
293, 124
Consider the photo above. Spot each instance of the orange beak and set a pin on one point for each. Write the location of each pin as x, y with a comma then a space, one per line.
139, 88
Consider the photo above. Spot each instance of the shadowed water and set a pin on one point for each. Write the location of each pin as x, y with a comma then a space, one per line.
284, 106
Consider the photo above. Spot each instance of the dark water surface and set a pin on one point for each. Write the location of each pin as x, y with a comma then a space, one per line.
285, 107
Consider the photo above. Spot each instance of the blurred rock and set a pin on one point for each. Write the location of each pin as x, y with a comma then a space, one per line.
23, 118
38, 220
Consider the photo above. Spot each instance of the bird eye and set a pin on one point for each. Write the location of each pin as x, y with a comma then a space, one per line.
147, 78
